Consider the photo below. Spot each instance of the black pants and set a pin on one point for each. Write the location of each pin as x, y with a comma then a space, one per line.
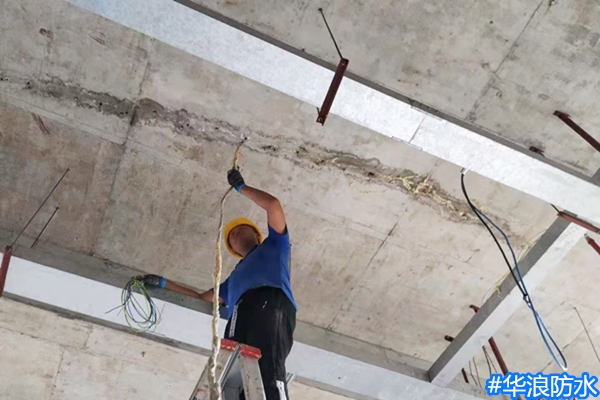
266, 318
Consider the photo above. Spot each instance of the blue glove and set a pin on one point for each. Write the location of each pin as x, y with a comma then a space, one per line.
153, 280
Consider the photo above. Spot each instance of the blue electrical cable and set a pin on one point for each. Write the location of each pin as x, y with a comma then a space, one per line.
544, 333
477, 210
538, 319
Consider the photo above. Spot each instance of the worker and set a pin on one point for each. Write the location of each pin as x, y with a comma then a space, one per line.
261, 309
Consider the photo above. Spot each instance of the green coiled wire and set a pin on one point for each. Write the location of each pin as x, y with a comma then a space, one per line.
140, 316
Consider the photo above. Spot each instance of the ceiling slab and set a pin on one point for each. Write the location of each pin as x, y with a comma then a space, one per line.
427, 50
504, 67
424, 298
537, 264
297, 77
389, 207
33, 159
44, 70
550, 68
167, 180
581, 351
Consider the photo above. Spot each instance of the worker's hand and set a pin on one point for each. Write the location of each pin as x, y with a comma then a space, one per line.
234, 177
152, 280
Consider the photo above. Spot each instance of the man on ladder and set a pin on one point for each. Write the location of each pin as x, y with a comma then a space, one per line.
258, 294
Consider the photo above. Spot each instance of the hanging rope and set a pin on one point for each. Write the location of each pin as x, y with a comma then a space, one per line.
215, 387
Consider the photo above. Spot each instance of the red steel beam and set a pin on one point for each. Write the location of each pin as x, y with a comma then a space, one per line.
577, 221
4, 267
333, 88
566, 118
464, 374
593, 243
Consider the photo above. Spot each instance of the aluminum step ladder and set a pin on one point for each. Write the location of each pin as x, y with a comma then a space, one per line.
237, 370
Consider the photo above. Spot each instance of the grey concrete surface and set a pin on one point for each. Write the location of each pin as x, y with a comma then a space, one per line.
31, 172
504, 66
251, 54
81, 360
384, 248
537, 264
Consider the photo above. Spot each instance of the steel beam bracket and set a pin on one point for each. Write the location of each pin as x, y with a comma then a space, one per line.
566, 118
578, 221
333, 88
593, 244
4, 267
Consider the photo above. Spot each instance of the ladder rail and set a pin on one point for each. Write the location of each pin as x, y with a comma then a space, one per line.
237, 369
251, 377
225, 361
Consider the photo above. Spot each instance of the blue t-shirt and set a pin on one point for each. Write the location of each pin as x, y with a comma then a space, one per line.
267, 265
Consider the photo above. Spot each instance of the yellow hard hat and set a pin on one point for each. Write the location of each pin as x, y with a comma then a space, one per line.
235, 223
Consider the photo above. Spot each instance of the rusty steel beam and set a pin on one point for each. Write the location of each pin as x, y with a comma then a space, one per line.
4, 267
566, 118
578, 221
333, 89
593, 243
337, 78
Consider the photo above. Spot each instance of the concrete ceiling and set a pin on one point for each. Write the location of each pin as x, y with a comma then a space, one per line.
505, 66
384, 248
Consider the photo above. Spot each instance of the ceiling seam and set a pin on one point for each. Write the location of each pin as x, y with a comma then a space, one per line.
471, 114
124, 147
383, 242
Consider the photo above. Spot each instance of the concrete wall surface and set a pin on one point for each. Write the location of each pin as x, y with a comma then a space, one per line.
49, 357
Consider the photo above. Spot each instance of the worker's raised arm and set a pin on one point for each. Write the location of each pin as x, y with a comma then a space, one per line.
275, 215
